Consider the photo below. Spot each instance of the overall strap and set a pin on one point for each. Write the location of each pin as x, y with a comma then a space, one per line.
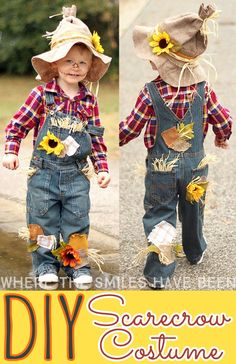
155, 96
49, 98
201, 90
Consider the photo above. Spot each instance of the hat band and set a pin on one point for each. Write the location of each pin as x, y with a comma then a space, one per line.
68, 38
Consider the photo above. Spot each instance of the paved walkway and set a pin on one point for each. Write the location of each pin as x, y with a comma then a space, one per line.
218, 270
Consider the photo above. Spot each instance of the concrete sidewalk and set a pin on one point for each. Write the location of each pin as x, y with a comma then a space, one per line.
218, 270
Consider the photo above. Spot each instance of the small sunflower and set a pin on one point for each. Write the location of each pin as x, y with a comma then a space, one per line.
96, 42
196, 189
51, 144
69, 257
161, 43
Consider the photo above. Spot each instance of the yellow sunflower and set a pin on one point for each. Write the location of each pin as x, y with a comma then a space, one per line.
51, 144
161, 43
196, 189
96, 42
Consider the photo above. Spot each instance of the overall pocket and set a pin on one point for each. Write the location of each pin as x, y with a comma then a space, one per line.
38, 192
160, 186
80, 202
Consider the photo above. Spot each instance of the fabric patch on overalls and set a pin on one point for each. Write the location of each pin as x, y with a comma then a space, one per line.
162, 233
51, 144
177, 138
70, 145
31, 234
196, 189
47, 241
162, 237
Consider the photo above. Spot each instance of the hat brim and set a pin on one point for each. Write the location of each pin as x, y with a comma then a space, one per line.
169, 71
43, 63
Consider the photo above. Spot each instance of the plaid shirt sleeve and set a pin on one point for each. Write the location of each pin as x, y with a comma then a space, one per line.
219, 117
26, 118
99, 149
132, 126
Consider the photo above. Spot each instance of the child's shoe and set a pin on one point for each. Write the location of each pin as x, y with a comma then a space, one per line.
198, 260
82, 278
48, 278
48, 281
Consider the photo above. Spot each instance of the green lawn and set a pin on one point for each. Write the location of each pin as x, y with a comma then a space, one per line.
14, 90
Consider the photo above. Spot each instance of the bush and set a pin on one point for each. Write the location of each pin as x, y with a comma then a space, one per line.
22, 24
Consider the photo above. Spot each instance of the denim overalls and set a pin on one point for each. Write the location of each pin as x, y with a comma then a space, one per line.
164, 190
58, 192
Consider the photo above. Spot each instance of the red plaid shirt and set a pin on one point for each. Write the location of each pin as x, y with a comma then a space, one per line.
32, 115
143, 113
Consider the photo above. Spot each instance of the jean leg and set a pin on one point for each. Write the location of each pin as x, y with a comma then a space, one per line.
46, 214
193, 239
154, 271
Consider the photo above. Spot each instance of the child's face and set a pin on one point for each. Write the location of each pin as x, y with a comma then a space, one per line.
74, 67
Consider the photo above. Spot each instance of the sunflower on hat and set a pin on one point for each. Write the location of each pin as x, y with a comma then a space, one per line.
160, 42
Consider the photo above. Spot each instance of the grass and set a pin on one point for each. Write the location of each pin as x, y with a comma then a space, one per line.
14, 91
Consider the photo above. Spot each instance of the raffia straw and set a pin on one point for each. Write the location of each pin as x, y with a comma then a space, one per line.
23, 233
139, 169
162, 165
96, 258
205, 30
97, 89
140, 256
31, 171
210, 158
88, 171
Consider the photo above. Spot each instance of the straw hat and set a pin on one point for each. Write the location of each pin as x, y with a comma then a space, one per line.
174, 46
69, 32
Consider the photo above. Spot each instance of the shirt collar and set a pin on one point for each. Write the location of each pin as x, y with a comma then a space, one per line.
52, 86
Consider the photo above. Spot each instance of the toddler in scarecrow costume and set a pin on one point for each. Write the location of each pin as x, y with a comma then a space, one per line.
176, 108
64, 115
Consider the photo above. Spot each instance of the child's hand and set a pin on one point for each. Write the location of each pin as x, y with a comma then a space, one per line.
103, 179
222, 143
10, 161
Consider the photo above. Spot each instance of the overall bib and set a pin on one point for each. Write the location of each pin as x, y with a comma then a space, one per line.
58, 192
164, 190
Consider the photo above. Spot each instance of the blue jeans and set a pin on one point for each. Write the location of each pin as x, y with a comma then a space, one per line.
58, 201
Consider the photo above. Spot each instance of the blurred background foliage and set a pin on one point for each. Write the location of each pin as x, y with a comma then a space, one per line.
23, 22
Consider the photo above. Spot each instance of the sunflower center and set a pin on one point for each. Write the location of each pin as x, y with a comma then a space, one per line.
70, 256
163, 43
52, 143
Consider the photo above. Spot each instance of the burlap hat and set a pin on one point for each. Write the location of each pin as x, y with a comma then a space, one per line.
174, 46
69, 32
